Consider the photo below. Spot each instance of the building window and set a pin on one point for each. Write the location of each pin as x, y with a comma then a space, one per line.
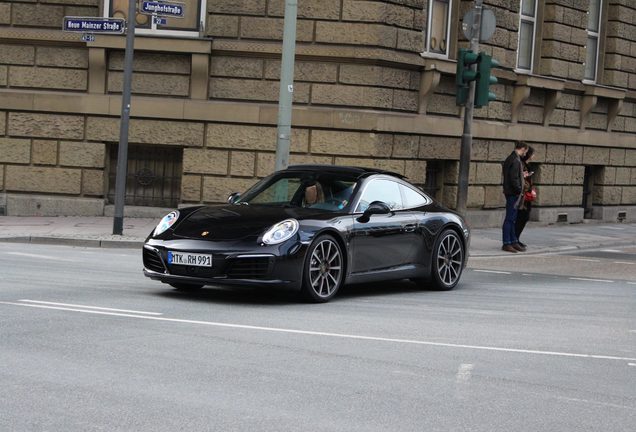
190, 25
437, 28
593, 32
527, 30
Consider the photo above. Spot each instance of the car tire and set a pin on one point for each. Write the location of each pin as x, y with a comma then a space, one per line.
448, 261
185, 286
324, 270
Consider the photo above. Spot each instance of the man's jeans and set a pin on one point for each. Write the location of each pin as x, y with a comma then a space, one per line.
509, 236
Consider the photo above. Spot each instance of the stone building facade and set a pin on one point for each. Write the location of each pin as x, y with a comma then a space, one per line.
374, 86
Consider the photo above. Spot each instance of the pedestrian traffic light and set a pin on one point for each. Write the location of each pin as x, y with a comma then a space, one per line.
465, 74
483, 95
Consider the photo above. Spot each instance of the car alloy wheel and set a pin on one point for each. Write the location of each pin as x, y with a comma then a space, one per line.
448, 260
323, 269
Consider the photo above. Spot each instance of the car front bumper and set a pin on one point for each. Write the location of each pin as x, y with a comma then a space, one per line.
279, 265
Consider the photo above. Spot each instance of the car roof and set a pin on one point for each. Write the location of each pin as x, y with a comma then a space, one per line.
357, 171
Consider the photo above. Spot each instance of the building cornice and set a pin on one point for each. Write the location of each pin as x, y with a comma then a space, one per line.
303, 116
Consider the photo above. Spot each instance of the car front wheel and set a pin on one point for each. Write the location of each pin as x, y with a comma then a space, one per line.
324, 270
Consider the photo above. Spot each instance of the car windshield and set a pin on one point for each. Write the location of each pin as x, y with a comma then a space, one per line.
325, 191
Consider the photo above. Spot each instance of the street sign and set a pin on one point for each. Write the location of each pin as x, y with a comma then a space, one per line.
173, 10
488, 24
160, 21
94, 25
87, 37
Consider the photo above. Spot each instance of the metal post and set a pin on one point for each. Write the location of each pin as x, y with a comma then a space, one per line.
286, 93
467, 136
122, 154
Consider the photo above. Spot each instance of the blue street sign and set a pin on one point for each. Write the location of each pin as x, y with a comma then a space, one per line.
174, 10
88, 38
160, 21
94, 25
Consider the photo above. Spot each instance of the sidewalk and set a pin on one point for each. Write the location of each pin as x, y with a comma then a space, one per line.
97, 232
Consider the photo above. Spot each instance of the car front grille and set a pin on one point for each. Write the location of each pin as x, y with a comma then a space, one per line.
249, 267
152, 261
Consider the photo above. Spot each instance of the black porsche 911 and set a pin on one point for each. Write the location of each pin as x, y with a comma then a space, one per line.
313, 229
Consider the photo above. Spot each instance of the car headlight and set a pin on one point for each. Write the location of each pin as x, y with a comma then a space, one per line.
167, 221
281, 232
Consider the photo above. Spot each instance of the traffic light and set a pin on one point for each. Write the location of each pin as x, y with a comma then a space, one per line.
465, 74
483, 95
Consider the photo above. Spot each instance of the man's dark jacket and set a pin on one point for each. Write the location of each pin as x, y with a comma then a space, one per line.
512, 176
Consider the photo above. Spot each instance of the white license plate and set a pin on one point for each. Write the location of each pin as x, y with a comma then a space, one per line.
191, 259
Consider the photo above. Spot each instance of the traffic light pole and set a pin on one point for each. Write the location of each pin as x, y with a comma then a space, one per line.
467, 136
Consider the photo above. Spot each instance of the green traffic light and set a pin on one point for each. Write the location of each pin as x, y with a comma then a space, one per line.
465, 74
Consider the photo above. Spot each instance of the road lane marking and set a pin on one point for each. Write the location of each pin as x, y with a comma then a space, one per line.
586, 260
591, 280
611, 250
631, 364
632, 283
89, 307
493, 271
29, 255
624, 262
464, 373
333, 335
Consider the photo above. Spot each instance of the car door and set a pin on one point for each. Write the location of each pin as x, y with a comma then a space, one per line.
382, 241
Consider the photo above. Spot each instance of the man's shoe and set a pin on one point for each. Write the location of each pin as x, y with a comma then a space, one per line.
518, 247
508, 248
523, 245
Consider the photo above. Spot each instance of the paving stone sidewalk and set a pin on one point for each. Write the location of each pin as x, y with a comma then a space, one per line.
97, 232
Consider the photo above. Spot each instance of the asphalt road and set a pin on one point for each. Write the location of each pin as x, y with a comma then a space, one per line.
524, 343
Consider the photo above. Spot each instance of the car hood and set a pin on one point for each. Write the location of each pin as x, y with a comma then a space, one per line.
234, 222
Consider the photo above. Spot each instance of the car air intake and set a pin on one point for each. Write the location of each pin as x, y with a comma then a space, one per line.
248, 267
152, 261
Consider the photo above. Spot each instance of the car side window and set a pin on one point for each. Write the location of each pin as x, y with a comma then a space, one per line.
383, 190
412, 198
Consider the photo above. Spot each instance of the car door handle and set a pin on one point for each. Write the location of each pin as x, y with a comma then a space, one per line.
409, 227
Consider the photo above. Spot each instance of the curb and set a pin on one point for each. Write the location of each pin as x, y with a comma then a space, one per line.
583, 246
78, 242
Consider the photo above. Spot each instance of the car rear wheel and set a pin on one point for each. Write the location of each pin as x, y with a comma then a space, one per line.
324, 270
185, 286
448, 261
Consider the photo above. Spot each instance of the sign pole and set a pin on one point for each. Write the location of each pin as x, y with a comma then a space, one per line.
467, 136
122, 155
286, 92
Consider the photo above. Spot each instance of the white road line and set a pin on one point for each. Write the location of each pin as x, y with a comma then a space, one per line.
632, 283
624, 262
334, 335
586, 260
89, 307
631, 364
493, 271
592, 280
38, 256
611, 250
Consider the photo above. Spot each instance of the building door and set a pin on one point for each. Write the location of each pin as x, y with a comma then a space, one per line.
589, 179
153, 178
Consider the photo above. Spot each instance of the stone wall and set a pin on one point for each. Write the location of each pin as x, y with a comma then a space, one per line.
363, 96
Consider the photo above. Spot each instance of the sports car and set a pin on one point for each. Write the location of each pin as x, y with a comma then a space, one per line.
312, 228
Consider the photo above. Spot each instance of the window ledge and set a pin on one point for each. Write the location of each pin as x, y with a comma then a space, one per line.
604, 91
539, 81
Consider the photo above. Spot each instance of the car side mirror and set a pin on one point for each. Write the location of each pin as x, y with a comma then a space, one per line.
376, 207
233, 197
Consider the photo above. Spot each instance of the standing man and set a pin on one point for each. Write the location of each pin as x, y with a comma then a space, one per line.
513, 190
